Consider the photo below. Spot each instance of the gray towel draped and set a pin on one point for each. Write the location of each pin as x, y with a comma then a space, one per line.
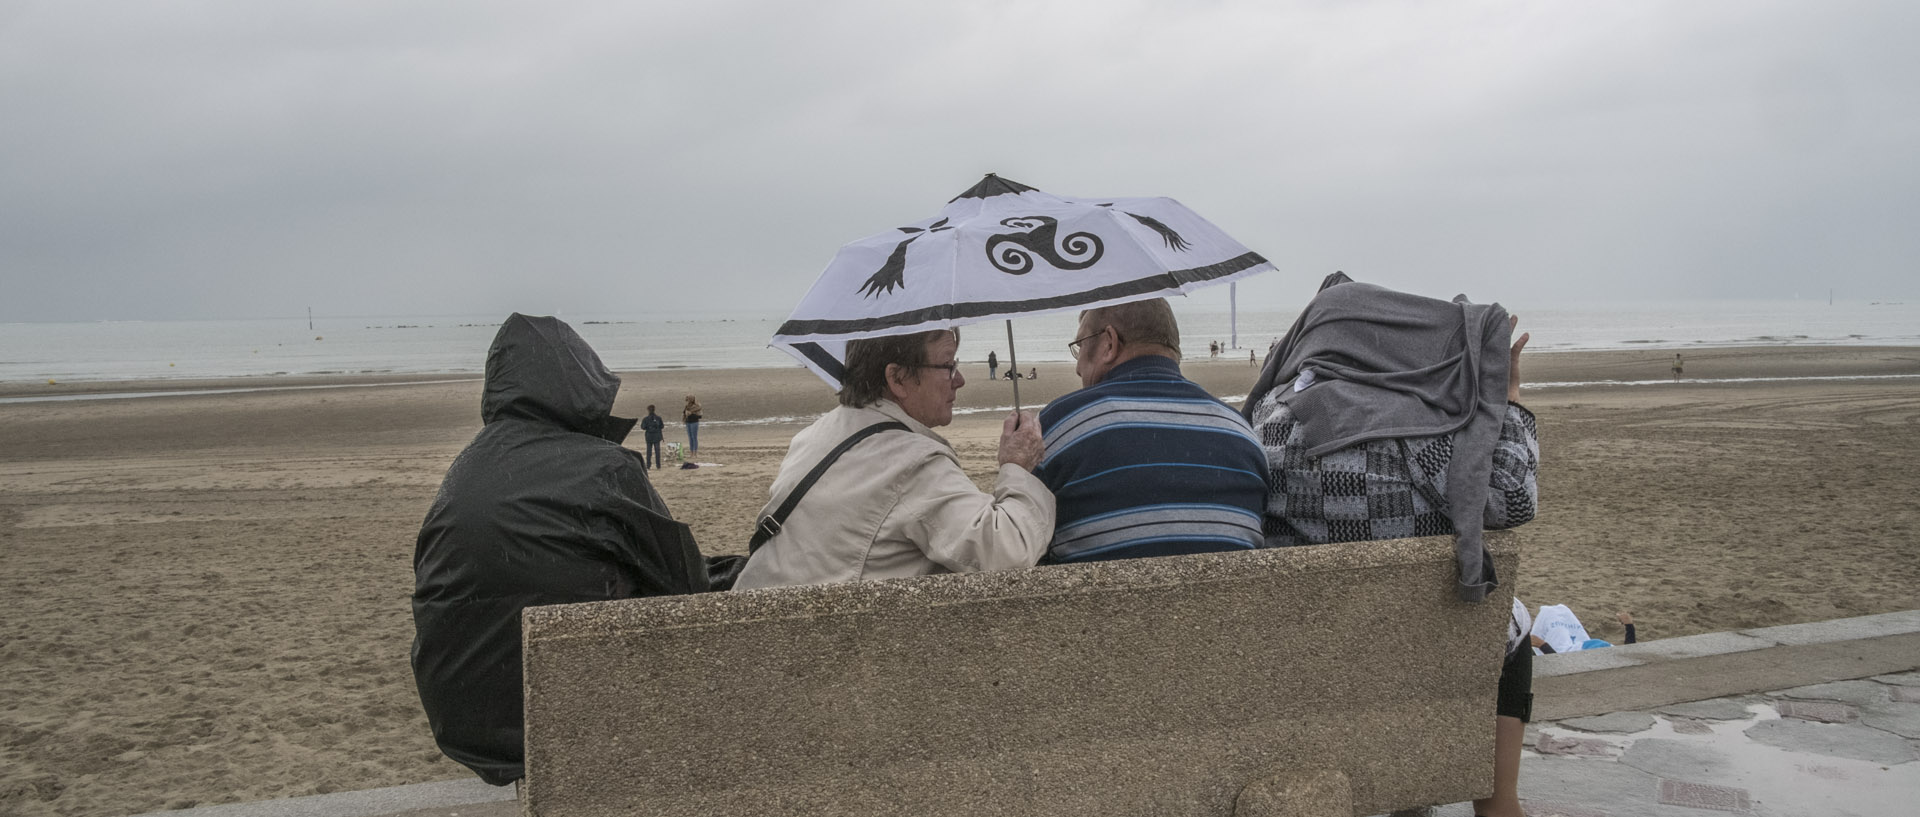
1387, 364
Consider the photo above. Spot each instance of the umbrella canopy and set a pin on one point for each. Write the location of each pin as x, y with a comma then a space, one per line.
1004, 249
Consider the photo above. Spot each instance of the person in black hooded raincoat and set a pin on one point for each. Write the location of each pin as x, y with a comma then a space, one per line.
543, 507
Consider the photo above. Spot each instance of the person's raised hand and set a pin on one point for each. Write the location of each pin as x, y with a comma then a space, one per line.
1513, 362
1020, 440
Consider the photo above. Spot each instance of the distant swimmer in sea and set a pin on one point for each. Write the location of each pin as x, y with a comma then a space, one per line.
1676, 364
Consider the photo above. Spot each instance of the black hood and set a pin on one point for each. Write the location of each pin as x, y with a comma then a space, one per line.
539, 369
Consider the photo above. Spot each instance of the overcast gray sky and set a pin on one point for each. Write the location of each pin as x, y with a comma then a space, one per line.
214, 159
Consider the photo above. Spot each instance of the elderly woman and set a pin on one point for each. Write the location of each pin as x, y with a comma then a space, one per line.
896, 503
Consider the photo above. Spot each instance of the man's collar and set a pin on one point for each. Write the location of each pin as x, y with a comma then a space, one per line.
1142, 368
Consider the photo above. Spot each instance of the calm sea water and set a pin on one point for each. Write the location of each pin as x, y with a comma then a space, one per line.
455, 344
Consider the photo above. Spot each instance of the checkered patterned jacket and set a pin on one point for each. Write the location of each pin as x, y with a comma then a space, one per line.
1384, 489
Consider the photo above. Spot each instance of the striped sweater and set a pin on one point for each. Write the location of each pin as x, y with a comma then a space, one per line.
1146, 463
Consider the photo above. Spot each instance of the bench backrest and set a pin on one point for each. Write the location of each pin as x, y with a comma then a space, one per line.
1148, 686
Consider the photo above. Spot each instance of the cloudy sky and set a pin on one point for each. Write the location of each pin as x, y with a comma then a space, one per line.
163, 160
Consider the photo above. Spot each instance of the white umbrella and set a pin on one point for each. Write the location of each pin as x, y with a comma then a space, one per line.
1004, 249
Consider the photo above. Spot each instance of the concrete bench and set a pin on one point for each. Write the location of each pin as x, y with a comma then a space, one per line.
1332, 680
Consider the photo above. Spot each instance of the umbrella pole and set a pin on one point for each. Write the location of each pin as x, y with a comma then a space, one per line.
1013, 365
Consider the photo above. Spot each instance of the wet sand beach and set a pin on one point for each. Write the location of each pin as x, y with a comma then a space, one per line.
206, 595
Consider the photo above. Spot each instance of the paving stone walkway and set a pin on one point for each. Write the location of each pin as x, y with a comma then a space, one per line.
1843, 748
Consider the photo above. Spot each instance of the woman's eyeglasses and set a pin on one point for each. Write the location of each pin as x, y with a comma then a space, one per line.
953, 369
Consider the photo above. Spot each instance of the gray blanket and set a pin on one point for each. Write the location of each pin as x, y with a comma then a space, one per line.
1382, 364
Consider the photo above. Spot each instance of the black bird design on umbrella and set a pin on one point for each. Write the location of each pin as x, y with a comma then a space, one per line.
893, 272
1167, 234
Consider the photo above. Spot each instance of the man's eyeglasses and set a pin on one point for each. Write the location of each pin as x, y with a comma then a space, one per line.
1074, 347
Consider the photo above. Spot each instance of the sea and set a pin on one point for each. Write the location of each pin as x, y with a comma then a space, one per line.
455, 344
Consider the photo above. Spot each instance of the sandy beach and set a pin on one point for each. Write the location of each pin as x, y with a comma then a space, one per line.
206, 595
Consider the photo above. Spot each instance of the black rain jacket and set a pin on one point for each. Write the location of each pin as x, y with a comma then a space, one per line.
543, 507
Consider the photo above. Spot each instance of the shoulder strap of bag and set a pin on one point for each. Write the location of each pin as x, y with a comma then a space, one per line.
771, 524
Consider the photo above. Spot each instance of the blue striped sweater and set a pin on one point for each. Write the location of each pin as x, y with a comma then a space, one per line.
1147, 463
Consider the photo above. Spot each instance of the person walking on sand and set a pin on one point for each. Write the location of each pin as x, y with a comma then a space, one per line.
655, 427
993, 365
691, 416
1676, 364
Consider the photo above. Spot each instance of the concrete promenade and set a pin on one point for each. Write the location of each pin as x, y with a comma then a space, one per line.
1819, 718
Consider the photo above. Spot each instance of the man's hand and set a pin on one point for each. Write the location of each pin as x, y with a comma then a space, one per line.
1513, 363
1020, 440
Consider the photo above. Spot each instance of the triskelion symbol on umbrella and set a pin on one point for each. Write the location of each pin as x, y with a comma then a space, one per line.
1075, 252
1013, 253
893, 273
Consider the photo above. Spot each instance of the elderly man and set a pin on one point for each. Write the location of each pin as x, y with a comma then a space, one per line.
1142, 461
896, 502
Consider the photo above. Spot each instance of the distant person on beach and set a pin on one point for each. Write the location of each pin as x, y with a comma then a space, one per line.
1033, 373
993, 365
1352, 409
544, 506
1676, 364
691, 416
896, 502
655, 427
1142, 461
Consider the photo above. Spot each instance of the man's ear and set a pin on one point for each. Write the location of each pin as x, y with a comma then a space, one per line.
1109, 349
